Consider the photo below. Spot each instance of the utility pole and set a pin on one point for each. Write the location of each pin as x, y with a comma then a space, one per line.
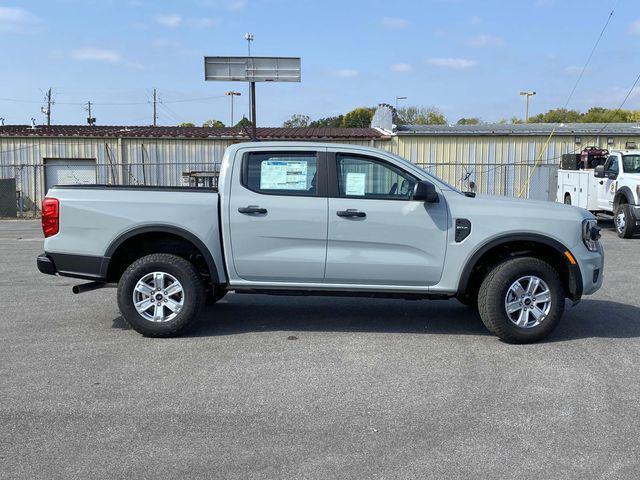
232, 94
47, 110
155, 112
252, 88
90, 120
526, 108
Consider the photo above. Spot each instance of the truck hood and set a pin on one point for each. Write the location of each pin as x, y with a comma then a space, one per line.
531, 208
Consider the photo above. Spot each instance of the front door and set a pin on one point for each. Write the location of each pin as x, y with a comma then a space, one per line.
606, 185
377, 234
278, 217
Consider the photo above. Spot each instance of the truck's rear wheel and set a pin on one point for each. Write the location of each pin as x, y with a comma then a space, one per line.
160, 295
521, 300
624, 221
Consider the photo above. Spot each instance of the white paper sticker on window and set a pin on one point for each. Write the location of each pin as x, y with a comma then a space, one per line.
355, 184
283, 175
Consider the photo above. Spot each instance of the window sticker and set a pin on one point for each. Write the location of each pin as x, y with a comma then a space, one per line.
355, 184
283, 175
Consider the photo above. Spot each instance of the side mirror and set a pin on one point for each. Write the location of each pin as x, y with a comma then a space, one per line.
425, 191
598, 172
612, 175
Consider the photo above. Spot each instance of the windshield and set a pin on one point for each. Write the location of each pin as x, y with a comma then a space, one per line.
631, 163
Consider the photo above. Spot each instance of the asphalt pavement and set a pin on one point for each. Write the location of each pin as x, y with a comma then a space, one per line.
313, 388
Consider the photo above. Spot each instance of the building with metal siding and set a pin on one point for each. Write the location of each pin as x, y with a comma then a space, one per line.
495, 159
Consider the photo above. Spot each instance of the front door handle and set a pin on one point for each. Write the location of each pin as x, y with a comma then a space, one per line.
252, 209
351, 212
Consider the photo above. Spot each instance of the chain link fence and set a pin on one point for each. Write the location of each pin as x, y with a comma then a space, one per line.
28, 184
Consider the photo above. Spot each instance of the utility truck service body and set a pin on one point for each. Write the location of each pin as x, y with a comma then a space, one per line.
609, 184
322, 219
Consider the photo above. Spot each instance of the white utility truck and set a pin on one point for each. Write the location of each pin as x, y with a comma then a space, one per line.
603, 182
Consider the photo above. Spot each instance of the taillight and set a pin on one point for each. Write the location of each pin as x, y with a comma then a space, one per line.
50, 216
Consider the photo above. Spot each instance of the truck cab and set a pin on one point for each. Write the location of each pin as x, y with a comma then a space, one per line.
610, 185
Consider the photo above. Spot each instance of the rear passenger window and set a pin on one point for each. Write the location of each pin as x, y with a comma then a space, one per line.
281, 173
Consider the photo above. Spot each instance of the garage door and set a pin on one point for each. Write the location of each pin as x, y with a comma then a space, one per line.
62, 171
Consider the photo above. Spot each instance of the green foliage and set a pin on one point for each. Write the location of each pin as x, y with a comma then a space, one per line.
244, 122
593, 115
358, 118
187, 124
213, 124
297, 120
328, 122
469, 121
420, 116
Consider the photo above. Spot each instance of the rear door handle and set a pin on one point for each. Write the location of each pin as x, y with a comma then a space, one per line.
351, 212
251, 209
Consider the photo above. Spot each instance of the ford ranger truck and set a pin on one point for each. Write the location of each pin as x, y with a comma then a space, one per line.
321, 219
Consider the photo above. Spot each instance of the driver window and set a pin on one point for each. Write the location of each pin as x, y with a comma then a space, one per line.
612, 164
370, 178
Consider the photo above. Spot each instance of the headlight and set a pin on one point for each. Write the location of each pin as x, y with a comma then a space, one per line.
590, 234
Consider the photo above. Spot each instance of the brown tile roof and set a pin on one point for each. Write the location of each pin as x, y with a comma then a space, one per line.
188, 132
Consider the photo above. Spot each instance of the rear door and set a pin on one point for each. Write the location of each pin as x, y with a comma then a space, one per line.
377, 234
278, 216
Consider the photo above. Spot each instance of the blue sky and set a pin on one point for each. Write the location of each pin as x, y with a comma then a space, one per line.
468, 58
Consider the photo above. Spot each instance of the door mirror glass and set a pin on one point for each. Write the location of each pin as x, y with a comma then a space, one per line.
598, 172
612, 175
425, 191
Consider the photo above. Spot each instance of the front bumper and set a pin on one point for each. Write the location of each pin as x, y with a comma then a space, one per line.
591, 268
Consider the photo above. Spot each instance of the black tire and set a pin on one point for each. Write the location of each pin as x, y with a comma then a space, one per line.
567, 199
627, 227
214, 295
493, 292
193, 294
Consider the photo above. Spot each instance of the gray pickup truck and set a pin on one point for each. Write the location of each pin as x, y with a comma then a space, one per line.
322, 219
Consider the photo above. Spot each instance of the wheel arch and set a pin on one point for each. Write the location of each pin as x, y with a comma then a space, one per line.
150, 230
519, 244
623, 195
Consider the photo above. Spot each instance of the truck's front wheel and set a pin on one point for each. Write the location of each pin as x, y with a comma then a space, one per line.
625, 223
160, 295
521, 300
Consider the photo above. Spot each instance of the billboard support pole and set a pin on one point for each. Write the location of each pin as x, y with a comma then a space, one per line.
253, 110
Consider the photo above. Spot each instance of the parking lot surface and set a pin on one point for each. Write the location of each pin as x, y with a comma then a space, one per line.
293, 387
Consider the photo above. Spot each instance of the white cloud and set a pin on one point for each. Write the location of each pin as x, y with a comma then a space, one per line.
395, 23
476, 20
402, 67
202, 22
347, 73
575, 70
232, 5
485, 41
96, 54
454, 63
634, 28
170, 20
17, 20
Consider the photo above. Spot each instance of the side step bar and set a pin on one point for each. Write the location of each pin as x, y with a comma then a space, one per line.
87, 287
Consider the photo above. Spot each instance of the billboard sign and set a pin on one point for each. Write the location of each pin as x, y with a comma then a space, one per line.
252, 69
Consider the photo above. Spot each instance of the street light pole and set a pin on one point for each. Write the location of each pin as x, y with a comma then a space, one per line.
232, 94
526, 108
252, 89
399, 98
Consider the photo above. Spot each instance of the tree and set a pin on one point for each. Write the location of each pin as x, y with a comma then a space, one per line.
420, 116
328, 122
469, 121
187, 124
244, 122
358, 118
213, 124
516, 121
558, 115
297, 120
